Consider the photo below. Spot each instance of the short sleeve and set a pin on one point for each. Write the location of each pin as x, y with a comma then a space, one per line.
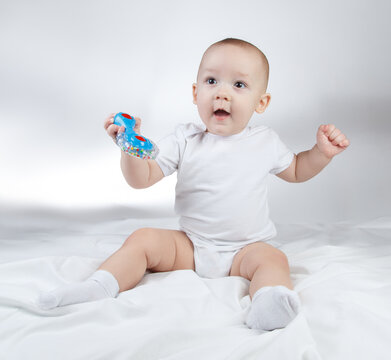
172, 147
283, 156
170, 151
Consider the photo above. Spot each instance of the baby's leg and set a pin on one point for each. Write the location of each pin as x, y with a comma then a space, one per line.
152, 249
274, 303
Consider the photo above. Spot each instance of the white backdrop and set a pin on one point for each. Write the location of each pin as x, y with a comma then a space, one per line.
65, 65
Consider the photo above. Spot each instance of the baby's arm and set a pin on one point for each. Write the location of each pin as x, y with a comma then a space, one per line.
138, 173
329, 142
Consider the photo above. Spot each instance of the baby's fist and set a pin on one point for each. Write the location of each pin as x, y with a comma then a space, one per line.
113, 129
331, 141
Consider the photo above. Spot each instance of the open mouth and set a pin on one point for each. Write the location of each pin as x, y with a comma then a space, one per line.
221, 114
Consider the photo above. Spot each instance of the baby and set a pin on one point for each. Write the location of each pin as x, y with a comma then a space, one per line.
221, 193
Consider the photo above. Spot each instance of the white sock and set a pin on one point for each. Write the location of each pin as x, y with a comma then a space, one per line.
273, 307
100, 285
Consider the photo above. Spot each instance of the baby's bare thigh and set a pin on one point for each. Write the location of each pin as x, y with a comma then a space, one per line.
166, 250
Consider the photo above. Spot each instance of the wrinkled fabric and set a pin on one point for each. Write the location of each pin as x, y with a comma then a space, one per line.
342, 273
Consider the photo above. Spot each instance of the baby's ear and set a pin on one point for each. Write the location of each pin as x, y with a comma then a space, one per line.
263, 103
195, 93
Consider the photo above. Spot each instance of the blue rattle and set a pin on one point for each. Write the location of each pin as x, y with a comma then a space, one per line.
132, 143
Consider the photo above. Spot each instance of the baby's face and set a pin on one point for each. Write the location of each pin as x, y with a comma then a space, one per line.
230, 87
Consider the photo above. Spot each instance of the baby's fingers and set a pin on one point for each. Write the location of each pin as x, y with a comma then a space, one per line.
113, 130
338, 139
344, 143
331, 131
108, 121
137, 127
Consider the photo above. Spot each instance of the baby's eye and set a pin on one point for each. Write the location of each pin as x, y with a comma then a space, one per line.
211, 81
240, 85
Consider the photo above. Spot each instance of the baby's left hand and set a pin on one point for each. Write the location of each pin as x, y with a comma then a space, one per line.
330, 140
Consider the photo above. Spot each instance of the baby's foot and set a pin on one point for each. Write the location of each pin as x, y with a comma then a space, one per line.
100, 285
273, 307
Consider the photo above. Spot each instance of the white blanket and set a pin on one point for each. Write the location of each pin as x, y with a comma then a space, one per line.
342, 273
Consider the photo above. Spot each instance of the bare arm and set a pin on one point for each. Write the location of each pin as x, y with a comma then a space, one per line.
138, 173
307, 164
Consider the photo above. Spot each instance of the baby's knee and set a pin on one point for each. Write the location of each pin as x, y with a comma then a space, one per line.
263, 256
140, 238
276, 257
279, 256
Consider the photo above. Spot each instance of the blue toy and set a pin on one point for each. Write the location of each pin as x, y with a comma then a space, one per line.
131, 142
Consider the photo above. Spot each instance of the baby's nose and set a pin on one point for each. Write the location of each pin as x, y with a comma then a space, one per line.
223, 94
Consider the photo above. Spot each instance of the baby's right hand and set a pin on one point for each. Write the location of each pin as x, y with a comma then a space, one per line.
113, 130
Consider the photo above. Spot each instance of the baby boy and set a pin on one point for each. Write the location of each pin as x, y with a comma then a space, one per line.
221, 193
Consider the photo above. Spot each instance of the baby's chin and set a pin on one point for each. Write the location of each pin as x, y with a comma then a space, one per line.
222, 130
217, 129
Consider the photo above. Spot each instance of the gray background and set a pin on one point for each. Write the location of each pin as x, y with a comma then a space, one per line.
65, 65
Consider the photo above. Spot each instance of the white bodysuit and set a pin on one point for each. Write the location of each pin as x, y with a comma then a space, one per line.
221, 191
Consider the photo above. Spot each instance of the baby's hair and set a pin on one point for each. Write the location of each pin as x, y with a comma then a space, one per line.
246, 45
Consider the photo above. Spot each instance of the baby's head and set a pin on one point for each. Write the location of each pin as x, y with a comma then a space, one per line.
231, 84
